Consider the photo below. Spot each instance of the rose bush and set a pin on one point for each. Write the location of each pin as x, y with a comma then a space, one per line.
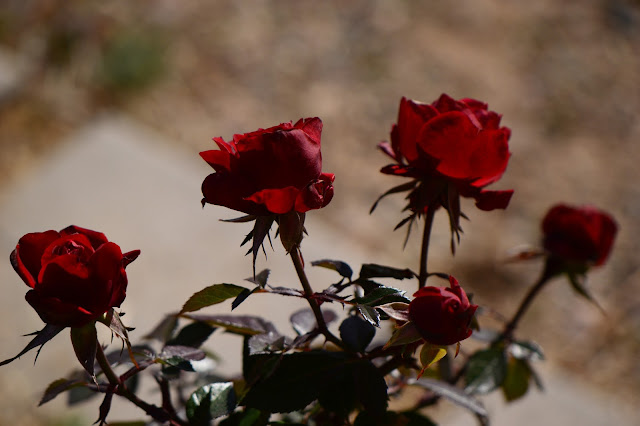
442, 315
451, 148
269, 171
578, 235
75, 275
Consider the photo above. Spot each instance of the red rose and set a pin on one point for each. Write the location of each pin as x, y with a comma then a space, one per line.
442, 315
269, 171
451, 148
582, 235
75, 275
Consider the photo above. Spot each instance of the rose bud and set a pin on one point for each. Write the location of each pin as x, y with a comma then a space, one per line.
75, 275
442, 315
269, 171
579, 236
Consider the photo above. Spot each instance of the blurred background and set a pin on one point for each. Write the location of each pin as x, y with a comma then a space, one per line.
105, 105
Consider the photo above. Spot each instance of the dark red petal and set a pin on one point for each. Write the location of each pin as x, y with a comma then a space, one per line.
63, 274
412, 116
278, 201
279, 159
398, 170
463, 151
58, 248
491, 200
96, 238
223, 189
56, 312
219, 160
316, 195
28, 253
225, 146
429, 291
108, 276
129, 257
312, 127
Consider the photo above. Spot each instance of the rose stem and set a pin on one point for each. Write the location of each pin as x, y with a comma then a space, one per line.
524, 305
308, 294
155, 412
424, 254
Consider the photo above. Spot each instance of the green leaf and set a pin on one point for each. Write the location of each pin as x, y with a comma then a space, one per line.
56, 387
516, 383
180, 356
249, 417
211, 295
383, 295
404, 335
337, 265
370, 314
85, 344
372, 270
391, 418
304, 320
131, 423
357, 382
246, 325
164, 329
396, 310
357, 333
453, 394
209, 402
526, 350
260, 279
266, 343
193, 335
430, 354
244, 294
486, 370
300, 378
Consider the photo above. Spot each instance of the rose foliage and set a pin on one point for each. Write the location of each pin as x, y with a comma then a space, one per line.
321, 374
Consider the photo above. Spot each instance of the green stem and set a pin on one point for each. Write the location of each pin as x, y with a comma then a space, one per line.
424, 254
308, 294
524, 305
119, 388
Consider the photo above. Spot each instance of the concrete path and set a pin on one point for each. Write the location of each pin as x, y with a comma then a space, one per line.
128, 182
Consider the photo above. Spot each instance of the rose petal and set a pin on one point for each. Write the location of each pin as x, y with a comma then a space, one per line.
463, 151
411, 118
96, 238
28, 253
491, 200
56, 312
278, 201
228, 190
219, 160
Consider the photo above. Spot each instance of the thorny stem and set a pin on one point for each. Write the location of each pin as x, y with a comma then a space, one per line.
119, 388
524, 305
424, 254
308, 294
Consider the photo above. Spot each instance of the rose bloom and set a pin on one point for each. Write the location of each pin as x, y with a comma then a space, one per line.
75, 275
442, 315
269, 171
452, 148
580, 235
